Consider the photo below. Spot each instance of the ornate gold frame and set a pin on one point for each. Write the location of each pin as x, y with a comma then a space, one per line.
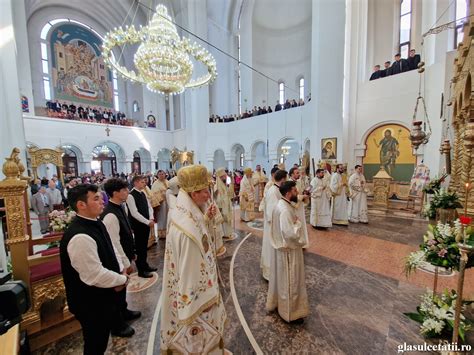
18, 239
46, 156
182, 156
463, 117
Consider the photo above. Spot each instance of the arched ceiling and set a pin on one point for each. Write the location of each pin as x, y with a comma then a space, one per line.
111, 13
277, 15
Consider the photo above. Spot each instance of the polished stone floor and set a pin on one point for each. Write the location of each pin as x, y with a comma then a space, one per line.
356, 287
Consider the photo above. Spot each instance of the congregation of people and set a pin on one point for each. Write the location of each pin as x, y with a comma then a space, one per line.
258, 110
118, 218
88, 114
400, 65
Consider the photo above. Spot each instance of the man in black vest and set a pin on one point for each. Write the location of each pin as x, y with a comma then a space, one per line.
413, 60
117, 222
90, 269
142, 220
399, 65
377, 74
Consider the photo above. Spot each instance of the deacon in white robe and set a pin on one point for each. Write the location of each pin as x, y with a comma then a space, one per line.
259, 180
272, 196
287, 287
247, 197
339, 189
320, 201
158, 189
223, 197
358, 205
192, 312
303, 200
269, 184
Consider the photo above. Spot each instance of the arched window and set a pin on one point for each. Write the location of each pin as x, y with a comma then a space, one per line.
46, 57
461, 12
301, 86
405, 27
281, 92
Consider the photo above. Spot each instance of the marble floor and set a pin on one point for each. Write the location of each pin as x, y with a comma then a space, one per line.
356, 286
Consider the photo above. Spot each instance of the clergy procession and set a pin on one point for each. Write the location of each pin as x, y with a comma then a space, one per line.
195, 213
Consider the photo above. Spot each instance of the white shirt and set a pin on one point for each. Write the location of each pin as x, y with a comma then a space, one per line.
113, 227
132, 206
82, 250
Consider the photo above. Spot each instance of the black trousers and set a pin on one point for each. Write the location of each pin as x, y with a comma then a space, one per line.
142, 233
96, 327
119, 321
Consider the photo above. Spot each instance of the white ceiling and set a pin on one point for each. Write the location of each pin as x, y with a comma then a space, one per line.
281, 14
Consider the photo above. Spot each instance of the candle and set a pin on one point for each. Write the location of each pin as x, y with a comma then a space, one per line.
466, 198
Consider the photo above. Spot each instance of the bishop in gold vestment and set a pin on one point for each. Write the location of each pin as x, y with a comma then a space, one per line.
192, 312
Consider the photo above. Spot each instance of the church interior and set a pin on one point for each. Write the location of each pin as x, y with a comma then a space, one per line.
357, 113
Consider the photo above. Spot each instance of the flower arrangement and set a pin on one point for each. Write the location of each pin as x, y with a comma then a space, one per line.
440, 246
436, 315
441, 199
60, 220
434, 185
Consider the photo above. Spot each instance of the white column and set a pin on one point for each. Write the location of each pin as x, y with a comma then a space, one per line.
197, 101
171, 106
11, 120
354, 73
125, 166
23, 52
230, 162
328, 27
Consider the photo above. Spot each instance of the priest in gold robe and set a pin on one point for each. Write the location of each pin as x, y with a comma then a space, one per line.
158, 189
272, 196
223, 197
287, 286
192, 312
340, 192
259, 180
215, 225
358, 190
320, 201
247, 197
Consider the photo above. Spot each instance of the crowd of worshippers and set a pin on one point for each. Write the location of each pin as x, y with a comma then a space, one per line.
258, 110
102, 243
70, 111
400, 65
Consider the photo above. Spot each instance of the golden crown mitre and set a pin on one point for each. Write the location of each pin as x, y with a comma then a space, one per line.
193, 178
248, 171
220, 172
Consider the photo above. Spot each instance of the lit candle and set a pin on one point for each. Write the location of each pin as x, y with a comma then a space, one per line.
466, 198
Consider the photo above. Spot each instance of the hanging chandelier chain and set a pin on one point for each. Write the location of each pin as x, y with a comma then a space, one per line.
131, 23
220, 50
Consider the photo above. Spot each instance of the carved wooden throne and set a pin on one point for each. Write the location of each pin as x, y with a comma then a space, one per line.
41, 272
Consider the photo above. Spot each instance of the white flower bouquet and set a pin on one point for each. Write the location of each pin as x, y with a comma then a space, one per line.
60, 220
436, 315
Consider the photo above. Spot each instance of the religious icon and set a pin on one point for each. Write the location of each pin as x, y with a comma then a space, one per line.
389, 146
24, 104
151, 121
205, 243
328, 148
388, 150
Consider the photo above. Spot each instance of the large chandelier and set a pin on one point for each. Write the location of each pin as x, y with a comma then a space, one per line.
162, 60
